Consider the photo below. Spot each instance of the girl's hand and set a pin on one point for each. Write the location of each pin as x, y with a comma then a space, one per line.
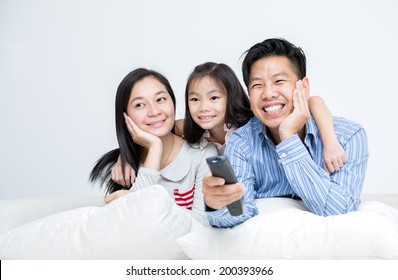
117, 175
139, 136
115, 195
333, 157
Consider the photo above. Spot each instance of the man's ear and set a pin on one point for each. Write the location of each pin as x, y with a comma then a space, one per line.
306, 85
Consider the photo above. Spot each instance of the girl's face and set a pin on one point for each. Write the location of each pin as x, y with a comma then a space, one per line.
151, 107
207, 103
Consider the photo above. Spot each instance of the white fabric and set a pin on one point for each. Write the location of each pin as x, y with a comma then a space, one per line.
147, 223
284, 229
17, 212
141, 225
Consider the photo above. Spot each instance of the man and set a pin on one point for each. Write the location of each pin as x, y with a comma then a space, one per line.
278, 153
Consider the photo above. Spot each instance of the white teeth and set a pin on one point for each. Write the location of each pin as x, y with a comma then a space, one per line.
206, 118
273, 108
156, 123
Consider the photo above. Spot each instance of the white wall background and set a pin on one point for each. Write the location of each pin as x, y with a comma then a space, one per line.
61, 62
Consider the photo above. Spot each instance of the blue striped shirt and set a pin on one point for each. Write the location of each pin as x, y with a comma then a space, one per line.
293, 168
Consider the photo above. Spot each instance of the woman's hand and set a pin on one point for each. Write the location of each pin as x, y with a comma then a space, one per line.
139, 136
150, 142
115, 195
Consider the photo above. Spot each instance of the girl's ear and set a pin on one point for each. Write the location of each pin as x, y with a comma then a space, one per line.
306, 85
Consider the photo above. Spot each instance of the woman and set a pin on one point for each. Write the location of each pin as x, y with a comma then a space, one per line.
145, 116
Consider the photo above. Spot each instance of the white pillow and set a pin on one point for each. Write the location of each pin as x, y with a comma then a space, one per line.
283, 230
141, 225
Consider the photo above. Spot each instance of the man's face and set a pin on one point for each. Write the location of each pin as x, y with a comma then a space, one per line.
271, 84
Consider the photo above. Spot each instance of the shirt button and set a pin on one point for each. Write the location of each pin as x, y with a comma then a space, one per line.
283, 155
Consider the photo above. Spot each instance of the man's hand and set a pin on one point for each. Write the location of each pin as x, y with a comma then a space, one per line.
218, 195
300, 115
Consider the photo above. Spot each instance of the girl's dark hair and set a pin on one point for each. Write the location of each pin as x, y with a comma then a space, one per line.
238, 110
128, 149
274, 47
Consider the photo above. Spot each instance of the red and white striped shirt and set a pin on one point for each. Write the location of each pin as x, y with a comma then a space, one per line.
184, 199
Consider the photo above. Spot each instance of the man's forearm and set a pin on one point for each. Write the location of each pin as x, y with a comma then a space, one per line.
323, 194
222, 218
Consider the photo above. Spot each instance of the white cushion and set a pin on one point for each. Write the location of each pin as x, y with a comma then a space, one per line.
284, 229
141, 225
17, 212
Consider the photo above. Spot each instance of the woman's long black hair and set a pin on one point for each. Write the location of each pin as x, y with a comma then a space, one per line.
238, 110
128, 150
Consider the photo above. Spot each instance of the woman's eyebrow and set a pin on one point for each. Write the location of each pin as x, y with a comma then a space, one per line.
141, 97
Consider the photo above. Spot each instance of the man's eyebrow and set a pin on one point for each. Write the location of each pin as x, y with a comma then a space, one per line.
255, 79
284, 74
280, 74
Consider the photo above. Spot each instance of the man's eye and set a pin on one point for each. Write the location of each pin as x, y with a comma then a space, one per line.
280, 81
256, 86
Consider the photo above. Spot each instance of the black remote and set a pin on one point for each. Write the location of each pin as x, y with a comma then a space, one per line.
220, 167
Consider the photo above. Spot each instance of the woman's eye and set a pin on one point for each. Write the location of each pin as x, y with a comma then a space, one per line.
256, 86
194, 99
139, 105
161, 99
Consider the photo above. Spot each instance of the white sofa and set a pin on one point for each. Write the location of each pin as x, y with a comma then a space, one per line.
148, 225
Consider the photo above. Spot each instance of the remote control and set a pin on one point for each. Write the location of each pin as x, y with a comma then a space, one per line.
220, 167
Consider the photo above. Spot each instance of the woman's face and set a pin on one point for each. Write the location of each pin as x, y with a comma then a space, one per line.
151, 107
207, 103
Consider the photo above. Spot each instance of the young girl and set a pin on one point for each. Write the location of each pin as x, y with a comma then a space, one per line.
145, 110
216, 104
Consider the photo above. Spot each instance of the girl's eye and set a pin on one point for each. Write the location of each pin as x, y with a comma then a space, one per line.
193, 99
214, 98
139, 105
